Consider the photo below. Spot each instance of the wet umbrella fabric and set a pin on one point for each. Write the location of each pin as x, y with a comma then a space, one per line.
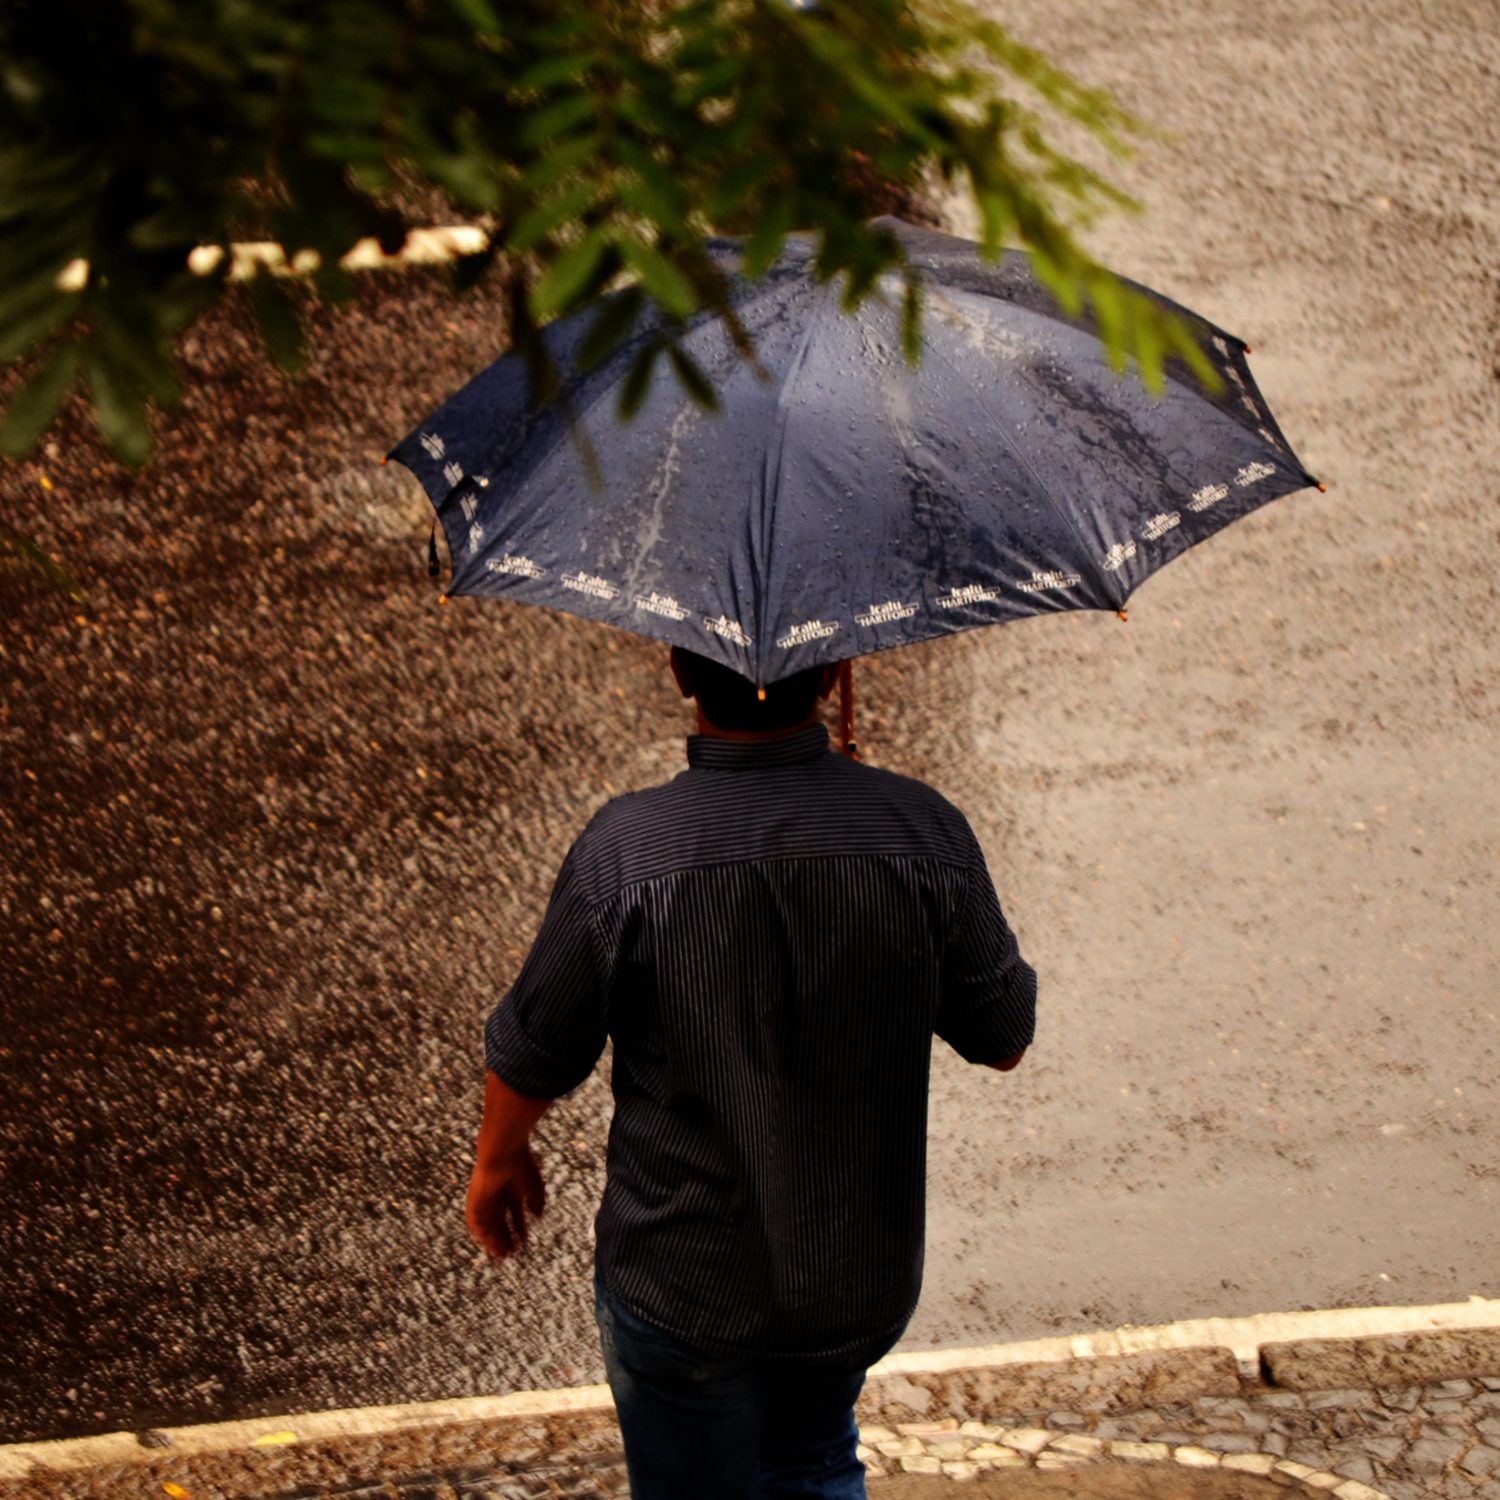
852, 503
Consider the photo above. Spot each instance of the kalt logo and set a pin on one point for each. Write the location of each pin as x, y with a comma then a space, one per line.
470, 504
1249, 404
1040, 582
476, 538
1270, 437
451, 472
522, 567
433, 444
1118, 556
588, 583
1210, 494
879, 614
1159, 526
731, 630
970, 593
661, 604
809, 630
1251, 472
1221, 346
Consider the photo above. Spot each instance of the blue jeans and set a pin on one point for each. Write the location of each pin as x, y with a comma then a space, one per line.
698, 1428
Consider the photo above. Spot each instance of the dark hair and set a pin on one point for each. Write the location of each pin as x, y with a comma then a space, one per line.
730, 701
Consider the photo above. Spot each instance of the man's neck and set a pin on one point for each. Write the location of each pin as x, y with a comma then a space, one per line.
714, 732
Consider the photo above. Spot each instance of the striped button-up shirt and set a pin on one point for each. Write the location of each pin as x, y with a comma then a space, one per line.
771, 940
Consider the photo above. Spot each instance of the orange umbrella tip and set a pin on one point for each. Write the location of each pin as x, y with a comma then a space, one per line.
384, 462
760, 694
1124, 614
1322, 488
1249, 350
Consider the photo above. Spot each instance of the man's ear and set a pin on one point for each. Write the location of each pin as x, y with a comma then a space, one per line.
681, 672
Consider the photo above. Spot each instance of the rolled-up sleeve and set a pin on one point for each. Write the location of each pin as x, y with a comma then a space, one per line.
549, 1028
988, 1007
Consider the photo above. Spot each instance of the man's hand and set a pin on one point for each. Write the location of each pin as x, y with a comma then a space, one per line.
506, 1183
501, 1194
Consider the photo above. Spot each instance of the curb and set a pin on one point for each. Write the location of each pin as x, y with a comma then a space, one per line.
928, 1392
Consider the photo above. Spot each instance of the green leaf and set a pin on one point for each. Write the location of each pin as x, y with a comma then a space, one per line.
33, 407
638, 380
479, 14
1109, 309
610, 325
280, 327
30, 550
664, 280
911, 316
29, 326
1150, 344
654, 195
187, 296
561, 118
119, 410
551, 71
568, 275
764, 242
547, 217
694, 381
996, 220
562, 159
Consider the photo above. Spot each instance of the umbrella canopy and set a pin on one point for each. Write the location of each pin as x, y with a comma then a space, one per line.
852, 503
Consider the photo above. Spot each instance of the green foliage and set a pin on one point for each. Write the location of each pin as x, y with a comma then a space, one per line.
595, 140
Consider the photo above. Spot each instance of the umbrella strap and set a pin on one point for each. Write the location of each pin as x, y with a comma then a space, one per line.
846, 709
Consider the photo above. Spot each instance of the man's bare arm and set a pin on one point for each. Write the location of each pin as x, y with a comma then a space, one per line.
1007, 1063
506, 1183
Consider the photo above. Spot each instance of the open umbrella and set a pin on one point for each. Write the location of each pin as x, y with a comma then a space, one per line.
851, 503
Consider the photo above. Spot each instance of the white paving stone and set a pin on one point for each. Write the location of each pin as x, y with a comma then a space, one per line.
1251, 1463
1352, 1489
927, 1429
1194, 1457
1077, 1442
981, 1430
1296, 1470
1050, 1460
875, 1433
921, 1463
1027, 1439
901, 1447
993, 1456
957, 1469
1139, 1452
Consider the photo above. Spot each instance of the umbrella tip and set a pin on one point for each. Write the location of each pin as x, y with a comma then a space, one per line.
1322, 488
442, 598
384, 462
1124, 614
760, 694
1249, 350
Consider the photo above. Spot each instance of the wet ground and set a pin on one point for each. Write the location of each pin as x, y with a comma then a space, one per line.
276, 828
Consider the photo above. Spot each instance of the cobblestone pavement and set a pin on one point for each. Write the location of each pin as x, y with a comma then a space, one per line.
1432, 1442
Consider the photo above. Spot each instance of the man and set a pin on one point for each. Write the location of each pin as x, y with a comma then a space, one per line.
771, 939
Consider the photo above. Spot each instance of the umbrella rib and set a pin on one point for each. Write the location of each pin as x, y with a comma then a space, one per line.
762, 554
1021, 458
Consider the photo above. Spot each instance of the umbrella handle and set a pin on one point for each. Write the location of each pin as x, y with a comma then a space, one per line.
846, 709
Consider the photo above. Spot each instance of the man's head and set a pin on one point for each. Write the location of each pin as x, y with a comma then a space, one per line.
730, 702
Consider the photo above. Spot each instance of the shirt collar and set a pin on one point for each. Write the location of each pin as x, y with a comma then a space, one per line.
710, 753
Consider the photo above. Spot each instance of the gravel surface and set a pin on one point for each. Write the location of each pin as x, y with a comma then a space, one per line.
276, 828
